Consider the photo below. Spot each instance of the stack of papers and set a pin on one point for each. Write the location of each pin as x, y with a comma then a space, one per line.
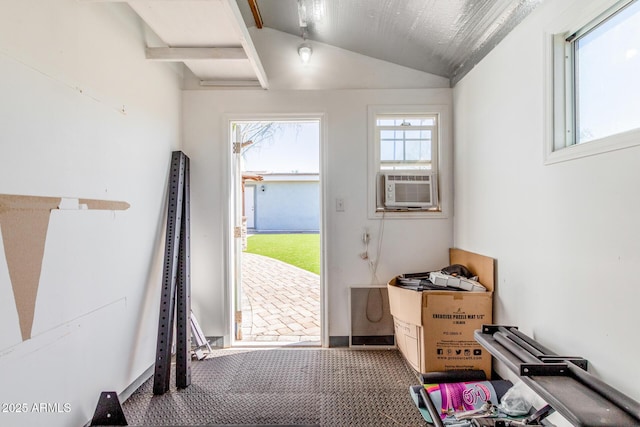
436, 280
446, 280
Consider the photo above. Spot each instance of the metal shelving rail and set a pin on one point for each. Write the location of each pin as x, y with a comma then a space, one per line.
175, 298
563, 382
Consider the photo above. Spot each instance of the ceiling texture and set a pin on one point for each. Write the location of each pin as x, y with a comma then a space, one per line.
446, 38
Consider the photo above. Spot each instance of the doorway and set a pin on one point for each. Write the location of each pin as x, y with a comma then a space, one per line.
275, 265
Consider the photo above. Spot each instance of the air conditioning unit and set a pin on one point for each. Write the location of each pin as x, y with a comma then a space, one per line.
409, 189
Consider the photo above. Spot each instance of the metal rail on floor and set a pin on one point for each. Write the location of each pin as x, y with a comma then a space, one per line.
563, 382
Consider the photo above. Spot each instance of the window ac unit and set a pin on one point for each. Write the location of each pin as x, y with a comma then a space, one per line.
409, 189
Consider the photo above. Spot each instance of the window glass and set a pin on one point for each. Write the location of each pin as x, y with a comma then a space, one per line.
607, 76
405, 142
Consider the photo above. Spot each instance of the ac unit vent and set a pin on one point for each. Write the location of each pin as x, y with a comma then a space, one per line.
409, 177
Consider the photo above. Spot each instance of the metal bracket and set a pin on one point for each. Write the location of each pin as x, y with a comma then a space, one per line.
543, 369
108, 411
492, 329
578, 361
537, 417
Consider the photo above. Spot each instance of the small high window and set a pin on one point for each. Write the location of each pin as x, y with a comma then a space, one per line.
596, 89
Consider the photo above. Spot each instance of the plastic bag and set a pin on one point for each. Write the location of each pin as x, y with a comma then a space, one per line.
516, 401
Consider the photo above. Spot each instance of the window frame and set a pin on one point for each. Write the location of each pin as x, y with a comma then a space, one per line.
560, 79
441, 114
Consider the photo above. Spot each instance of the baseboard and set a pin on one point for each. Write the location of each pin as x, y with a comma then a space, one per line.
127, 392
216, 342
339, 341
373, 340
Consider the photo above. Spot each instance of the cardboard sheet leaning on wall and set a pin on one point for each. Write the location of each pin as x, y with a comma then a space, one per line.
24, 221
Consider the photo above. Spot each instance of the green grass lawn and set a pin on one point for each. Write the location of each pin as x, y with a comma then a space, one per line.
301, 250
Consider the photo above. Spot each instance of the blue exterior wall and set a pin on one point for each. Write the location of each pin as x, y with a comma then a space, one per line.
287, 206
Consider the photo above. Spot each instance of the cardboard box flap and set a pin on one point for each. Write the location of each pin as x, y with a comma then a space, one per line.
480, 265
405, 304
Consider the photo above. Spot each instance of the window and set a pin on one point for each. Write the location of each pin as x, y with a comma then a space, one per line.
596, 89
404, 144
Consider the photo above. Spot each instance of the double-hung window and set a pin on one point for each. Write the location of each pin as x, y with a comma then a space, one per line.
596, 84
404, 145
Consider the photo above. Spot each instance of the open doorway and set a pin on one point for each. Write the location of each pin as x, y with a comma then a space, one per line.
276, 263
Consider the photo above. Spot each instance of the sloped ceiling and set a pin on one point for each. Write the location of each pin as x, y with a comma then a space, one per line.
445, 38
442, 37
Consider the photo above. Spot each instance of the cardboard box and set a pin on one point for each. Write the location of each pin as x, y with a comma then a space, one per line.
434, 329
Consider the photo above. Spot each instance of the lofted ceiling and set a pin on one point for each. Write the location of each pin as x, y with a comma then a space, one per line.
442, 37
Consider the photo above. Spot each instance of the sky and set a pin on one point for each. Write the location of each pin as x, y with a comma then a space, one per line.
292, 147
609, 65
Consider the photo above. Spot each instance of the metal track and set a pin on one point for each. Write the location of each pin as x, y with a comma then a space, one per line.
183, 319
176, 262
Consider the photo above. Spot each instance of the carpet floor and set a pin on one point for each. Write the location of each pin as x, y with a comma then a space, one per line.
285, 386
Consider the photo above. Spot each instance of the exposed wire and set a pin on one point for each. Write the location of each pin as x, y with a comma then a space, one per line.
373, 268
373, 264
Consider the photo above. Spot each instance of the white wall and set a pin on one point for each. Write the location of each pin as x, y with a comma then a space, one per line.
67, 70
565, 235
408, 245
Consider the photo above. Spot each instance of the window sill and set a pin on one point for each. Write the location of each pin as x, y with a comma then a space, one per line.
408, 214
598, 146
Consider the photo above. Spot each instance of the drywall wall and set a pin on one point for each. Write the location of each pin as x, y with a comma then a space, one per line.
82, 116
408, 245
565, 235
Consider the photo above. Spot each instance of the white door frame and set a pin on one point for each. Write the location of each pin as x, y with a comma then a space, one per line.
229, 338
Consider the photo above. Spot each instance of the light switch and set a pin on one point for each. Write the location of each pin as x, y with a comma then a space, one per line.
339, 205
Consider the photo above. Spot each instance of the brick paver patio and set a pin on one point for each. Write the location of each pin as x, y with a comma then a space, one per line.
280, 302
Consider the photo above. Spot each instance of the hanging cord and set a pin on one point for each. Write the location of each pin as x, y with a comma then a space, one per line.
373, 267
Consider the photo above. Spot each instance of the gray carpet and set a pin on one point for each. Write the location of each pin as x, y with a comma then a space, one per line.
326, 387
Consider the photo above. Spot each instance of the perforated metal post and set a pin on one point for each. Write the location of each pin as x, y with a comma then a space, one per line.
167, 301
183, 308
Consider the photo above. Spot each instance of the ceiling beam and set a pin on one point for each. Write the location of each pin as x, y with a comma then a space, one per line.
236, 18
253, 4
231, 83
178, 54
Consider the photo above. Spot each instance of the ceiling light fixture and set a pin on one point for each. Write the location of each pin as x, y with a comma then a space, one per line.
304, 50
